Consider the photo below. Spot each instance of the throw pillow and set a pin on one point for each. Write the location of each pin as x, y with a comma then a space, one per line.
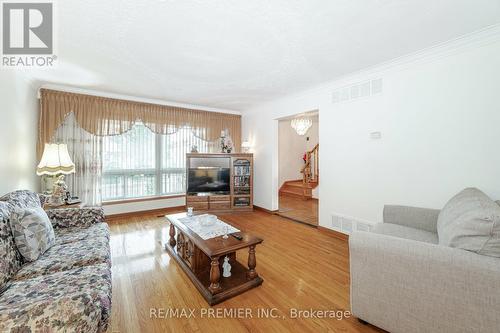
471, 221
32, 231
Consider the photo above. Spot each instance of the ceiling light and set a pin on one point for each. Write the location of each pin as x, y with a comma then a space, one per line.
301, 125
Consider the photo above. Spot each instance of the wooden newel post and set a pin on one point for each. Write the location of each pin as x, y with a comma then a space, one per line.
214, 275
172, 235
252, 262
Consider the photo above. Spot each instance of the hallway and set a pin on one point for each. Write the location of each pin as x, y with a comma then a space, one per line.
297, 209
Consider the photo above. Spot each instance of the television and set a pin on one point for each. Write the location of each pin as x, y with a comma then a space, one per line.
209, 180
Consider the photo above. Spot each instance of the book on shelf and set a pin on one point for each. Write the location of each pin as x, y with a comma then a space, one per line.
242, 181
242, 170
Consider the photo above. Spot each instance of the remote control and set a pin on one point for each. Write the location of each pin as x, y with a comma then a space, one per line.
238, 237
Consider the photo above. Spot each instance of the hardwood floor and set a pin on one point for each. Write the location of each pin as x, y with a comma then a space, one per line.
302, 269
298, 209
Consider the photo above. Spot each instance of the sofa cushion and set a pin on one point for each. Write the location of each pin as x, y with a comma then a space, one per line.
77, 300
63, 257
75, 234
400, 231
75, 217
32, 232
471, 221
10, 258
22, 199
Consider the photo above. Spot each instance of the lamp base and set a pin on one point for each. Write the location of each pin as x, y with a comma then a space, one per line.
48, 183
59, 191
55, 200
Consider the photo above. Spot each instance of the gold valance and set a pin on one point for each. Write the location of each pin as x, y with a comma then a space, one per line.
108, 116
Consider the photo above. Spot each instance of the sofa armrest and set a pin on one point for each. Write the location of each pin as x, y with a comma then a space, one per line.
75, 217
414, 217
403, 285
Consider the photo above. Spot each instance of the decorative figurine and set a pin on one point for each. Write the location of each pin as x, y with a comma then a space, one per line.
194, 149
226, 144
226, 267
58, 192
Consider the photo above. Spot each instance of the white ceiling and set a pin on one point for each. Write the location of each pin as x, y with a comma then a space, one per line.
233, 54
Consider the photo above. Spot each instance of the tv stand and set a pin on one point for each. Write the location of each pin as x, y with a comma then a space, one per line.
240, 196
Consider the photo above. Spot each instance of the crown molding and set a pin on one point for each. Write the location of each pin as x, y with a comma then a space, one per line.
486, 36
99, 93
457, 45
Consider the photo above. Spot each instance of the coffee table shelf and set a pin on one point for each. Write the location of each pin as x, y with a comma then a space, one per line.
202, 261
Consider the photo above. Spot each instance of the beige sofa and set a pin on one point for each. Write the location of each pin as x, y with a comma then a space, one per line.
403, 281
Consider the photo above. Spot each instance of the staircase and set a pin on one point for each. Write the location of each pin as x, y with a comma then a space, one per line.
310, 177
296, 188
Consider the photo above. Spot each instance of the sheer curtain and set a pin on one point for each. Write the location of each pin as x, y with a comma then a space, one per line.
137, 163
173, 149
85, 150
140, 163
87, 124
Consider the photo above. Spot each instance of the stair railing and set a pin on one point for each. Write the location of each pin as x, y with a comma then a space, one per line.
310, 170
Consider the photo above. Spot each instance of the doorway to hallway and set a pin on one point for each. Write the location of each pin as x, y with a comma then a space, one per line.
298, 149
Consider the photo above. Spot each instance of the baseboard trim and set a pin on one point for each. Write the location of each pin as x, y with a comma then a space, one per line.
334, 233
262, 209
115, 218
127, 201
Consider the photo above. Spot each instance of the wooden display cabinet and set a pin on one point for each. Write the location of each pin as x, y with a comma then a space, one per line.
240, 194
241, 182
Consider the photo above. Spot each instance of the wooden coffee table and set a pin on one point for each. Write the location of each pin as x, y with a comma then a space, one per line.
202, 261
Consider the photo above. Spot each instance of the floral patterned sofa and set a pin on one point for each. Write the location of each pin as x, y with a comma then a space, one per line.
68, 289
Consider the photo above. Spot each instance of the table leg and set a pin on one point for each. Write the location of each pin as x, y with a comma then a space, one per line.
252, 262
214, 275
172, 235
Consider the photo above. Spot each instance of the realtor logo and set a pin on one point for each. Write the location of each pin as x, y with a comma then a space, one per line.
27, 29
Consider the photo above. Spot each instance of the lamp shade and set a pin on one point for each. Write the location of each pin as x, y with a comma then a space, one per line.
55, 160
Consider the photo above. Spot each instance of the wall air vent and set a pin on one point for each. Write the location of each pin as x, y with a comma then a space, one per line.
362, 226
336, 222
358, 90
346, 225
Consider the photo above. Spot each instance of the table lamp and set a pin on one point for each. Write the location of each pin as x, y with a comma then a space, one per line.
56, 163
245, 146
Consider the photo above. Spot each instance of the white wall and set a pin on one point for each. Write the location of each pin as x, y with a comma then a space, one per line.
291, 148
143, 205
18, 128
439, 115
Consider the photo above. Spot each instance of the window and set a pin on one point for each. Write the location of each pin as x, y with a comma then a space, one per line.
140, 163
